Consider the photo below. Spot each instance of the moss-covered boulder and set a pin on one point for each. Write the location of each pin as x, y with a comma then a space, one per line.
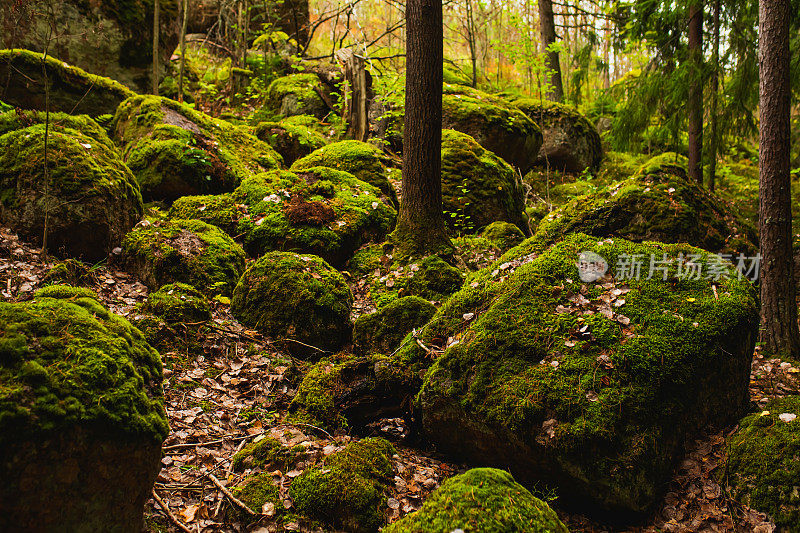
86, 125
764, 462
481, 499
659, 203
494, 123
360, 159
71, 89
291, 140
178, 302
268, 454
186, 251
81, 416
589, 386
382, 331
321, 211
298, 94
503, 235
176, 151
349, 491
571, 143
478, 187
299, 298
87, 198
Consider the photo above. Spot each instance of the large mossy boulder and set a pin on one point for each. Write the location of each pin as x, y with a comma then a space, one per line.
764, 462
87, 199
81, 416
360, 159
297, 298
503, 235
571, 143
176, 151
178, 303
482, 500
494, 123
185, 251
291, 140
382, 331
113, 38
478, 187
298, 94
349, 491
320, 211
659, 203
71, 90
19, 119
592, 387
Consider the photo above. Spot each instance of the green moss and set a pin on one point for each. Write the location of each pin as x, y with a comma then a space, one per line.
216, 209
382, 331
299, 297
289, 139
522, 352
178, 302
188, 251
16, 120
255, 492
503, 234
175, 150
69, 272
64, 292
67, 361
268, 453
349, 490
4, 107
361, 159
321, 211
478, 187
763, 465
296, 94
482, 500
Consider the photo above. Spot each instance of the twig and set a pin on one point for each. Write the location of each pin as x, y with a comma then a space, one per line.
234, 499
228, 473
169, 514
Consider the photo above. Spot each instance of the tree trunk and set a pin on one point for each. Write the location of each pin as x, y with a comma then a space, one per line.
420, 226
183, 49
472, 45
547, 28
695, 103
358, 98
779, 331
156, 27
712, 152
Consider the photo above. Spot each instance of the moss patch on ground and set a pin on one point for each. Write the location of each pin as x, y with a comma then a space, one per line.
382, 331
178, 302
268, 453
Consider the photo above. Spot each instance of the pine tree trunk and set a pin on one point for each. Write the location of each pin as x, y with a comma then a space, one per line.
420, 226
695, 102
712, 152
183, 49
547, 27
779, 330
156, 28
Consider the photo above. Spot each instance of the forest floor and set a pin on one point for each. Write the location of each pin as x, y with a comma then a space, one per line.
226, 386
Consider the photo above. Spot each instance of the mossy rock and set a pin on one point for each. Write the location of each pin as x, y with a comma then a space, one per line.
360, 159
87, 195
81, 416
71, 89
349, 491
618, 166
255, 491
219, 210
494, 123
584, 385
186, 251
382, 331
63, 291
70, 272
4, 107
478, 187
178, 302
295, 297
321, 211
19, 119
268, 454
503, 234
482, 500
290, 140
176, 151
297, 94
659, 203
763, 466
571, 143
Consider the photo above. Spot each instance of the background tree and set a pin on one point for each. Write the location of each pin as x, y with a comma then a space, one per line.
695, 102
156, 26
780, 333
548, 32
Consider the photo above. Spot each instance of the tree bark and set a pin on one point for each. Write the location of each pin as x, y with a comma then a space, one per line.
473, 53
156, 31
183, 49
547, 28
779, 329
712, 163
695, 102
420, 226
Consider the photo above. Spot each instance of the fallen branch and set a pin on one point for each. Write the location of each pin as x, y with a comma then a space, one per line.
239, 503
169, 514
228, 473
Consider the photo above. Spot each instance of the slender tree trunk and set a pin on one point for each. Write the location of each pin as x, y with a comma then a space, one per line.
779, 330
156, 31
547, 28
712, 163
472, 51
183, 49
420, 226
695, 103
